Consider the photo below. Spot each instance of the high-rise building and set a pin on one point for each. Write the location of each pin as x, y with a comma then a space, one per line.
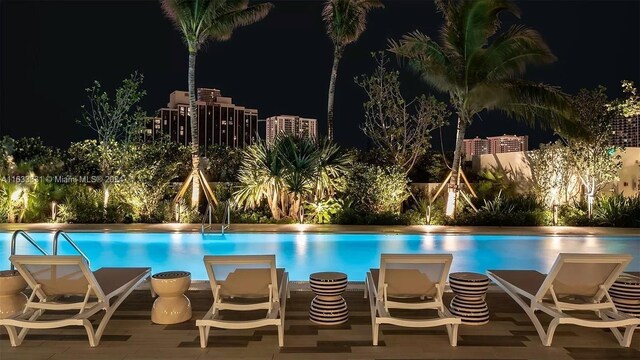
290, 124
220, 122
508, 143
626, 132
475, 146
494, 145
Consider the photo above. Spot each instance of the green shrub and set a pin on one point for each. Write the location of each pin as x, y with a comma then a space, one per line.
573, 214
350, 216
321, 212
504, 211
376, 189
251, 216
617, 210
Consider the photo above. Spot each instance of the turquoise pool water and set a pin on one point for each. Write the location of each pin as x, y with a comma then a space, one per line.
305, 253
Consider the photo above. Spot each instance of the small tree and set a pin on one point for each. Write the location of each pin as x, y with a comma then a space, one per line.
592, 155
552, 173
630, 106
118, 118
400, 129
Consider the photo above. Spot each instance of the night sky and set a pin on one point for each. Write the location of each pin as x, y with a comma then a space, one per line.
52, 50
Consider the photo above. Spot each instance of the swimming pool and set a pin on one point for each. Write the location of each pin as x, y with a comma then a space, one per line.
304, 253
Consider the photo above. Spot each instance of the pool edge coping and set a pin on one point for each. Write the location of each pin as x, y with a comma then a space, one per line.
311, 228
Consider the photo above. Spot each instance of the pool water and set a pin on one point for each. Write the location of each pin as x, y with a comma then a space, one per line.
304, 253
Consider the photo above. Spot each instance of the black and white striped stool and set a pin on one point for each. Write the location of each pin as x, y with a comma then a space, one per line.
468, 303
625, 293
328, 307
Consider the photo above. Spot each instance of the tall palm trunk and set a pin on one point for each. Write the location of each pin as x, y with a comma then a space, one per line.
337, 54
454, 181
193, 120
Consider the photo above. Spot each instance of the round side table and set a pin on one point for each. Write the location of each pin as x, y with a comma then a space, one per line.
172, 306
625, 293
468, 303
328, 307
12, 300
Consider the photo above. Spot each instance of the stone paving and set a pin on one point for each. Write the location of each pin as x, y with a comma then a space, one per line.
131, 335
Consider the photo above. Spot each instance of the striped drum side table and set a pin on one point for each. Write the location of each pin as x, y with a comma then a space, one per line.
328, 307
468, 303
625, 293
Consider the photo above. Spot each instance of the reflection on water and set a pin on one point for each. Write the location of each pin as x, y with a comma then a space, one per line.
428, 243
303, 253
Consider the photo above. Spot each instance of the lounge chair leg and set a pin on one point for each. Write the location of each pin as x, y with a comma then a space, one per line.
94, 340
628, 334
550, 331
624, 340
281, 335
375, 329
452, 329
204, 336
366, 288
14, 338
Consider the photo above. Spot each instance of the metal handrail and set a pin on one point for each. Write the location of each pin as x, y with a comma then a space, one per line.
71, 242
29, 238
227, 216
207, 214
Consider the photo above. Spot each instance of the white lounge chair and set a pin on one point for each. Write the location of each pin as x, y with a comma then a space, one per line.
575, 282
62, 283
245, 283
410, 282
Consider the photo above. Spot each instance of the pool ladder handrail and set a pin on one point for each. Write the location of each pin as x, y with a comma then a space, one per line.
70, 241
227, 216
207, 214
24, 234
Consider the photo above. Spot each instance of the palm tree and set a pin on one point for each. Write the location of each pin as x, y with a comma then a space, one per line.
200, 21
480, 68
346, 20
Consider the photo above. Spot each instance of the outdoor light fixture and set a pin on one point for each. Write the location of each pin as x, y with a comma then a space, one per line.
555, 214
15, 196
54, 211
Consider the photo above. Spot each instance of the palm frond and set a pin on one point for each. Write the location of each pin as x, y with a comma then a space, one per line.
201, 20
346, 20
510, 54
529, 102
469, 24
226, 23
427, 58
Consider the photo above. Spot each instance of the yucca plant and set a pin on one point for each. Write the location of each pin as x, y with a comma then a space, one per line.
289, 172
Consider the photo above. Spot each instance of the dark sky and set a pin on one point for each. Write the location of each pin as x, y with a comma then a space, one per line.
52, 50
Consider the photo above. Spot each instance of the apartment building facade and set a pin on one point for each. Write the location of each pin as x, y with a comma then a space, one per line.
220, 121
626, 132
290, 124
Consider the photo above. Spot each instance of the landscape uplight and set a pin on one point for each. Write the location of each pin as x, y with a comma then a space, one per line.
15, 196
